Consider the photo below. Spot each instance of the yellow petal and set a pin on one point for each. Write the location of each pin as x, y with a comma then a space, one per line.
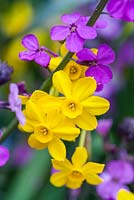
24, 99
66, 133
125, 195
33, 112
83, 88
35, 143
58, 179
74, 184
54, 62
37, 94
62, 83
57, 149
48, 103
79, 157
92, 167
96, 105
93, 179
86, 121
62, 165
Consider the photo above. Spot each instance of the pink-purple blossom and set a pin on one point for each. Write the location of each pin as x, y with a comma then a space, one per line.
98, 64
121, 9
15, 103
4, 155
34, 51
74, 31
117, 175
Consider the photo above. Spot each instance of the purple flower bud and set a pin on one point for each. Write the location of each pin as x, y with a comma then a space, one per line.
22, 88
5, 72
4, 155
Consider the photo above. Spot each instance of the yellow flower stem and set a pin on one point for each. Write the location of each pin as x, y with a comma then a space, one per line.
82, 138
47, 83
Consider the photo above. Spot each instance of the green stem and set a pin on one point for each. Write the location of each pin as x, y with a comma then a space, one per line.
8, 130
82, 138
47, 83
97, 12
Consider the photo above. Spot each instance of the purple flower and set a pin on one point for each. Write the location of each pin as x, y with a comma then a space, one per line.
4, 155
34, 52
104, 125
118, 173
75, 31
15, 103
98, 63
5, 72
121, 9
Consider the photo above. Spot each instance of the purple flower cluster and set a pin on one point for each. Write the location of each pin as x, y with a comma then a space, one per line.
117, 175
121, 9
75, 31
98, 64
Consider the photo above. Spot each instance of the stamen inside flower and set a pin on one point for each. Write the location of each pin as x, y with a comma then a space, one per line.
76, 174
43, 134
73, 28
73, 70
71, 108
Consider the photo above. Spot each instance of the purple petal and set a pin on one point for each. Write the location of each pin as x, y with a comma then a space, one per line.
20, 116
42, 58
100, 24
129, 12
121, 170
30, 42
105, 54
82, 21
86, 54
102, 74
27, 55
74, 42
70, 18
59, 32
109, 189
86, 32
99, 87
4, 155
116, 8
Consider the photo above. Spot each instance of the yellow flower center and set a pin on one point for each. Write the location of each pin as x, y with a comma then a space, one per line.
44, 131
74, 70
71, 108
75, 174
43, 134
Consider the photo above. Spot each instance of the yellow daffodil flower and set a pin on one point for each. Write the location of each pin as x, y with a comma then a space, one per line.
78, 103
74, 70
72, 174
48, 129
125, 195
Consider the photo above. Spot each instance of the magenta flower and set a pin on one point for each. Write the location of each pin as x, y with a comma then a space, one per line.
75, 31
117, 175
4, 155
121, 9
97, 63
15, 103
34, 52
104, 126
